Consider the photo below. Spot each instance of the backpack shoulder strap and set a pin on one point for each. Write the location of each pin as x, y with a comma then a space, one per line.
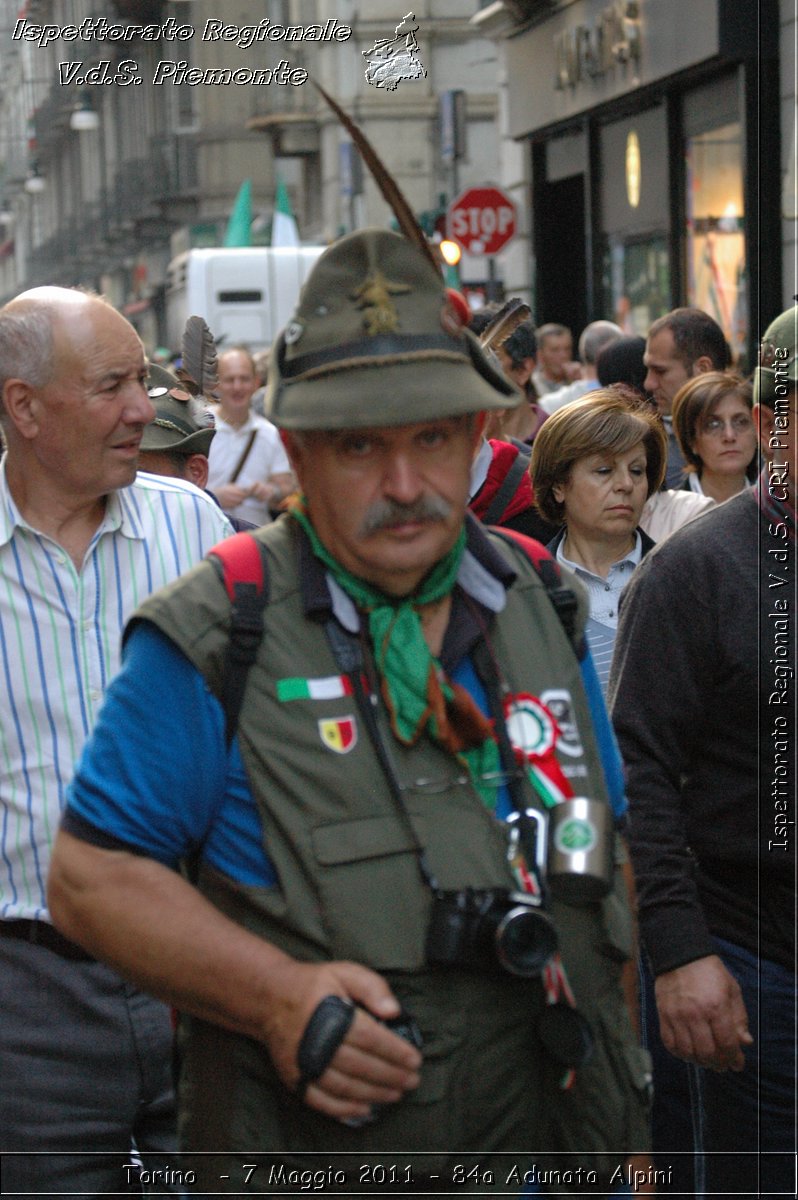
508, 487
243, 567
563, 598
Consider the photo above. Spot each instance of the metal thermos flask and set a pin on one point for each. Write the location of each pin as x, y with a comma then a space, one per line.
580, 859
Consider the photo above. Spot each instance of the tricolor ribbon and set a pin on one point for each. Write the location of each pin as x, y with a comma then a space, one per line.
533, 732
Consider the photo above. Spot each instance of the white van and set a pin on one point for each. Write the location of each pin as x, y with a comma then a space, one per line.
246, 295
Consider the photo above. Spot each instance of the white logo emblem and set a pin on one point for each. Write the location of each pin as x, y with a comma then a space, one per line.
559, 703
392, 61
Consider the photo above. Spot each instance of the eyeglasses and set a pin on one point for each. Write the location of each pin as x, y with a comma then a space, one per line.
716, 426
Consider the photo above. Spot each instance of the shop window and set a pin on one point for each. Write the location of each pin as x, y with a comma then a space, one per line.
636, 276
715, 230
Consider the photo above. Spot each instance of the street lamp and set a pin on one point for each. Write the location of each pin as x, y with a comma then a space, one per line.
35, 184
84, 116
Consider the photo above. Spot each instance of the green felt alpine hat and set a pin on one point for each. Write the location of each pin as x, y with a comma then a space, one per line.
376, 340
181, 422
777, 372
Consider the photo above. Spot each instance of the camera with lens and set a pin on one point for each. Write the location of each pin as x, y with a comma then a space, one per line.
480, 929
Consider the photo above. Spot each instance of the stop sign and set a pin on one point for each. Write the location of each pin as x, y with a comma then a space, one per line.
482, 220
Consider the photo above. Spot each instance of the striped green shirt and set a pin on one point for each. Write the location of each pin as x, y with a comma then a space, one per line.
60, 634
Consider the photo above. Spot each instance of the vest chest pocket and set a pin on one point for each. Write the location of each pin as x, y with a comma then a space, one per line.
374, 903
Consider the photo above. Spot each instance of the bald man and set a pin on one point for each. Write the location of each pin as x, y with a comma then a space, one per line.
85, 1059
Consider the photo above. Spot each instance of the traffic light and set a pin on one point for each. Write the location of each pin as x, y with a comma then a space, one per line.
451, 254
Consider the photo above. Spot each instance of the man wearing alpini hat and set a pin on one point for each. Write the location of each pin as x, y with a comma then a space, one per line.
176, 443
177, 440
369, 956
710, 759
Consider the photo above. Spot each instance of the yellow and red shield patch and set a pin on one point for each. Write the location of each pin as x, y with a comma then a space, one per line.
338, 733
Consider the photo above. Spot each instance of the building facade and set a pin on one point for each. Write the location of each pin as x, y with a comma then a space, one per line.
654, 140
149, 168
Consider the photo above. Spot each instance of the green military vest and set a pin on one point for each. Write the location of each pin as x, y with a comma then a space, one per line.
350, 885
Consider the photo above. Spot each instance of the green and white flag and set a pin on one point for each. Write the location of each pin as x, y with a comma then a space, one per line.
238, 232
284, 229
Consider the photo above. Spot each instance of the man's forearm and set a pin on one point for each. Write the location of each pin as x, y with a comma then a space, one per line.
156, 929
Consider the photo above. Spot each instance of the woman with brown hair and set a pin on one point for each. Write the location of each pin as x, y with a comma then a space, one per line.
594, 465
715, 431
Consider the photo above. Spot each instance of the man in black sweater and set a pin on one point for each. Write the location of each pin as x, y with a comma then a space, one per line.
710, 616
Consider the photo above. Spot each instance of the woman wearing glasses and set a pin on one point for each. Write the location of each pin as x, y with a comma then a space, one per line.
714, 428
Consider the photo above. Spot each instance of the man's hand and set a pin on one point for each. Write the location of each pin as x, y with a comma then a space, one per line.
263, 491
371, 1066
702, 1016
230, 495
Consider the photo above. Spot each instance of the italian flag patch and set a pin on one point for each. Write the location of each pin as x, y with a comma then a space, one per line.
328, 687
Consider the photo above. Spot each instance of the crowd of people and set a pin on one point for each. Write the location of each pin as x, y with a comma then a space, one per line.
362, 733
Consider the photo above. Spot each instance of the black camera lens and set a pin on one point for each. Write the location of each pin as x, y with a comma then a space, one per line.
525, 941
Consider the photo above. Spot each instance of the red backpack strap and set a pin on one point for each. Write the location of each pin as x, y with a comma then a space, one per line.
563, 598
243, 567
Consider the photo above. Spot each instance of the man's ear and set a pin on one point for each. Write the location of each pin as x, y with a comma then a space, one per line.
197, 470
480, 421
702, 365
19, 401
294, 448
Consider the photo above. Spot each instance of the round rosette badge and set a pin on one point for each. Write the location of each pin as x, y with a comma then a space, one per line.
531, 728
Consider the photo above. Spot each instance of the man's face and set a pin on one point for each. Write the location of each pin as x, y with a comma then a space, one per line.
237, 382
665, 371
387, 503
88, 421
518, 373
554, 351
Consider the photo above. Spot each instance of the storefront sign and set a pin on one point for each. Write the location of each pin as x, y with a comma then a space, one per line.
590, 50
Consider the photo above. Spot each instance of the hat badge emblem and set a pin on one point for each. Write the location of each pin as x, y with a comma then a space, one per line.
374, 297
293, 332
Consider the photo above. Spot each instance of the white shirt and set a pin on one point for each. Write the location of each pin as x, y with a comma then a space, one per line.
267, 457
60, 634
567, 395
665, 512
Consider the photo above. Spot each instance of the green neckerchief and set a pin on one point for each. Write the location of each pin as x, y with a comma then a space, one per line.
408, 671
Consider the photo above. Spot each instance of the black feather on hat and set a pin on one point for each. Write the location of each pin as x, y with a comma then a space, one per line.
182, 421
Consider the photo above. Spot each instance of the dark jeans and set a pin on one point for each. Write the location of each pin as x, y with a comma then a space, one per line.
750, 1115
730, 1132
677, 1135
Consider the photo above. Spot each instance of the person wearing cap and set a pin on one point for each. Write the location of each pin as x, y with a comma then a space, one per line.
364, 788
176, 443
85, 1059
710, 759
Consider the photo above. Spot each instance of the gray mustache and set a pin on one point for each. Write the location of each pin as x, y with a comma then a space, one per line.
385, 514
